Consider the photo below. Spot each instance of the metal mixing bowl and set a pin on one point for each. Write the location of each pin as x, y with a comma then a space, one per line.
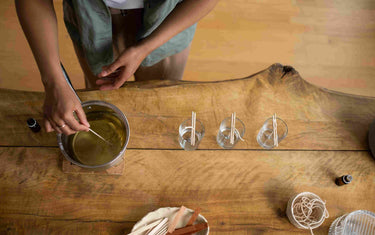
97, 106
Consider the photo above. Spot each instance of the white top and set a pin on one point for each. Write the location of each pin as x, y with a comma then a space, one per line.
124, 4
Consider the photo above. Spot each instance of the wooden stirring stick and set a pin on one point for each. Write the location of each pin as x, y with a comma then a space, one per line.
193, 122
172, 226
100, 137
190, 229
232, 128
193, 217
275, 137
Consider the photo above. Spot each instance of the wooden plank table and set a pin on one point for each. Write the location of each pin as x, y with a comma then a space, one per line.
241, 191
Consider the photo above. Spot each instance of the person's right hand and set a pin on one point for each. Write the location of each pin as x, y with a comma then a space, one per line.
60, 104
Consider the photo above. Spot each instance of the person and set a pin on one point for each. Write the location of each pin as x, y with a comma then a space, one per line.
113, 40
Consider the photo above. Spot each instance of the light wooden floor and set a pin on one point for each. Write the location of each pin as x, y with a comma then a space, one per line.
330, 43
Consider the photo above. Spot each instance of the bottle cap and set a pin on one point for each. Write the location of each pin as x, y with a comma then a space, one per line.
347, 179
31, 122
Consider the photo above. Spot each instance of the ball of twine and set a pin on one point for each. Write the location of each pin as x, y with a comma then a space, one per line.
306, 211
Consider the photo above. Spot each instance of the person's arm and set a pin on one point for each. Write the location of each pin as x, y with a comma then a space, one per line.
39, 23
183, 16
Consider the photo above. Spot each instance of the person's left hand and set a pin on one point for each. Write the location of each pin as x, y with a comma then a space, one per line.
115, 74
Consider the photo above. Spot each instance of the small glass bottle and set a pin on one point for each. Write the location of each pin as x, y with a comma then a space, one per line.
33, 125
345, 179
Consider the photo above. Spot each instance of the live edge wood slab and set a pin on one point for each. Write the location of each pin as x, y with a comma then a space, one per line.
318, 119
240, 191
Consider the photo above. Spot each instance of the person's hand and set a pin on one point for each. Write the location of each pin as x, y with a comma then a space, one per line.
60, 105
114, 75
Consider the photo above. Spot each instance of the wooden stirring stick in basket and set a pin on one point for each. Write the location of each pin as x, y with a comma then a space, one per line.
193, 217
190, 229
172, 226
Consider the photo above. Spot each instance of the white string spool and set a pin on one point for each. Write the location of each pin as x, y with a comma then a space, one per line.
306, 211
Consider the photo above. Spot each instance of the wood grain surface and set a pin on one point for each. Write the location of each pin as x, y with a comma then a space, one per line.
240, 192
318, 119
